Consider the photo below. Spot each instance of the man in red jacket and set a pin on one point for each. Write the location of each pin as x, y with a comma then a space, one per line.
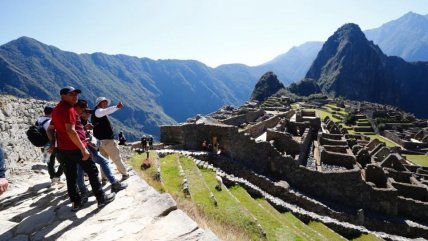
71, 149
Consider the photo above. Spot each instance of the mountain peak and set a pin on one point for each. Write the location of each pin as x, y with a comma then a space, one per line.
349, 31
267, 85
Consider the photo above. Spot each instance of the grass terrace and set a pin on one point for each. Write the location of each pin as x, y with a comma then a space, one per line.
421, 160
234, 215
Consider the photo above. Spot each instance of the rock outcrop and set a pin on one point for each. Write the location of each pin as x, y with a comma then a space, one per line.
304, 87
350, 66
267, 85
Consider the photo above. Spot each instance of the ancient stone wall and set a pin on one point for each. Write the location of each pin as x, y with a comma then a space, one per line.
248, 117
337, 158
406, 144
261, 157
306, 141
171, 134
346, 187
412, 208
283, 142
16, 115
258, 129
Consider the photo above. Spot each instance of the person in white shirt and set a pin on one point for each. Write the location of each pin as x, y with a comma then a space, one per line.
45, 120
103, 131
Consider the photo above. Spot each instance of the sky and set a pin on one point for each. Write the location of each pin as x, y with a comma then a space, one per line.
214, 32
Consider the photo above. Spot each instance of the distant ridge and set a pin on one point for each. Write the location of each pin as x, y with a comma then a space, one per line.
154, 92
406, 37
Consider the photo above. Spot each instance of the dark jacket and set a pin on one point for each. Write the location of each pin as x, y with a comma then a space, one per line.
102, 127
2, 165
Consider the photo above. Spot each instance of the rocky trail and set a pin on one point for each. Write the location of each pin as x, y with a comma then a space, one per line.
33, 210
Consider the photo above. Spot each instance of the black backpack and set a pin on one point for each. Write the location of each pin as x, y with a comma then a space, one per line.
37, 134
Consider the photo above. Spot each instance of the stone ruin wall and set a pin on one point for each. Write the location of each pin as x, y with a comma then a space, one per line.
171, 134
258, 129
283, 142
347, 187
248, 117
16, 115
406, 144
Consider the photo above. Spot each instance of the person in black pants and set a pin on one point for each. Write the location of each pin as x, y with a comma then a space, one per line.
54, 175
71, 143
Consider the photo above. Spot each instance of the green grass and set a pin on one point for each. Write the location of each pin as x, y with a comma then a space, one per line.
322, 114
228, 211
273, 227
367, 237
315, 230
295, 106
170, 175
325, 231
148, 174
421, 160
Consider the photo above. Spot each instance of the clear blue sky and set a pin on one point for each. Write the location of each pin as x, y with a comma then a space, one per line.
214, 32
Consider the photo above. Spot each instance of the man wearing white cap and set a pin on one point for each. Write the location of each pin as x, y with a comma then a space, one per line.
103, 131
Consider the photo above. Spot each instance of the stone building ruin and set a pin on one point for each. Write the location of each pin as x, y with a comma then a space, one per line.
325, 170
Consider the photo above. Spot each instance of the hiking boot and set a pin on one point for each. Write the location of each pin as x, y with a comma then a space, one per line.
117, 186
107, 198
124, 177
76, 206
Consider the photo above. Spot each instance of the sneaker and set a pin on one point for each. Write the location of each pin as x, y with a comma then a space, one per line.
124, 177
107, 198
75, 206
117, 186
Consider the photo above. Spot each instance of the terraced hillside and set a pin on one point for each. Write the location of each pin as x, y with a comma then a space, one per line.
229, 211
337, 114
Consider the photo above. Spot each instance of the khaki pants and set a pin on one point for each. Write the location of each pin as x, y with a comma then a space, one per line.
109, 149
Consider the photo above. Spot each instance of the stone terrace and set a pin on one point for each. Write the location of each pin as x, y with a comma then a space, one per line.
350, 172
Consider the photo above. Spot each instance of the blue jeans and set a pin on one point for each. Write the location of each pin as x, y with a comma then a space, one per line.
100, 160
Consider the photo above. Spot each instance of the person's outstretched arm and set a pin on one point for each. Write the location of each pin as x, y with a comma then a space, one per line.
107, 111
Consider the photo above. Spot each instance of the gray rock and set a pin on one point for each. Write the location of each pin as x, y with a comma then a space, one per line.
181, 223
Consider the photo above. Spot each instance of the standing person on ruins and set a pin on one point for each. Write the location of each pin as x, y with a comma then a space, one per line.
45, 121
103, 131
3, 181
72, 148
84, 113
